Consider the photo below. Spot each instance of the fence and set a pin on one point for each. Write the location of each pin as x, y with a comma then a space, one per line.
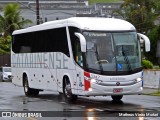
5, 60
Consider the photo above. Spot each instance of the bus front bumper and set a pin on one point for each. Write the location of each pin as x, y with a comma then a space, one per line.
99, 90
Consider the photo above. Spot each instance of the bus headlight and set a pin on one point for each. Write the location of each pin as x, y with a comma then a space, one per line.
138, 80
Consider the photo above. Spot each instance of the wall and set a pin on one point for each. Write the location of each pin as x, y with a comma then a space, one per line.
151, 78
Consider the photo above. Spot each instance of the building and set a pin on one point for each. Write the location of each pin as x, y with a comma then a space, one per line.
60, 9
49, 9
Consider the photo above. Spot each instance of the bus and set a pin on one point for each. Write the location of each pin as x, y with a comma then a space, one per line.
79, 56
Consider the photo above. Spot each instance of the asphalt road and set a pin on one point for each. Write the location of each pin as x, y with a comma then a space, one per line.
132, 107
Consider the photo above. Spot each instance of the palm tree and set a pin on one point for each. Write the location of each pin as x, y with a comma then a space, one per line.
11, 19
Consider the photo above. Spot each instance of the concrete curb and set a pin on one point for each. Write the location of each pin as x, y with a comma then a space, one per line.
147, 90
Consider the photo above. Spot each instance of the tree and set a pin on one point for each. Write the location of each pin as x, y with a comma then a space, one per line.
10, 20
158, 6
5, 45
154, 37
141, 13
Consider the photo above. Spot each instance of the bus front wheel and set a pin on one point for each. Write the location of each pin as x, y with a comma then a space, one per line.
27, 90
117, 97
67, 91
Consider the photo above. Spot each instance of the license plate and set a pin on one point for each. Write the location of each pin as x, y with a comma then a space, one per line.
117, 90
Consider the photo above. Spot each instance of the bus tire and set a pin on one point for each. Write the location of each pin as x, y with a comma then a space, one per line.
35, 92
67, 91
117, 97
27, 90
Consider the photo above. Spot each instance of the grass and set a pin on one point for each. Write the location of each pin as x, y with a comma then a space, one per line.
102, 1
156, 93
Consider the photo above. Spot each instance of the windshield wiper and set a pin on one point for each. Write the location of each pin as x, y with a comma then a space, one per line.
126, 59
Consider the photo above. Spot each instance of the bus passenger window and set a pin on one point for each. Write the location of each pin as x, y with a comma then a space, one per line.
25, 49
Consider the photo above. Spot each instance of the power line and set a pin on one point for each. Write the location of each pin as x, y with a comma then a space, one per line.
25, 6
37, 10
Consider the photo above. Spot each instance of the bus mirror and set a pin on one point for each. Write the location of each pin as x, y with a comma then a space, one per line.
146, 41
82, 41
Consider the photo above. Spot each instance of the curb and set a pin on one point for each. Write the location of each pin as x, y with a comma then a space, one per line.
149, 91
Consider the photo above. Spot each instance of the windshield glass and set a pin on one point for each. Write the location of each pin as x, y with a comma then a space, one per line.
112, 51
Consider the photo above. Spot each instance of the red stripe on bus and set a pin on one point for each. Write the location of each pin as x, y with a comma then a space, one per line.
87, 74
87, 84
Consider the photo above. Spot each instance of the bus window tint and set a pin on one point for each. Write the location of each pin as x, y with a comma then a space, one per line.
52, 40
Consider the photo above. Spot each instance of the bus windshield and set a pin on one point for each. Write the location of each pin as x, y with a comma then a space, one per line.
112, 52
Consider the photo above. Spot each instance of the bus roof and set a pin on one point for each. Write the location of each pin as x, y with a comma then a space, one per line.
85, 23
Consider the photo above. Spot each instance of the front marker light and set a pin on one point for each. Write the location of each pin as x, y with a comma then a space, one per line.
90, 89
93, 80
139, 79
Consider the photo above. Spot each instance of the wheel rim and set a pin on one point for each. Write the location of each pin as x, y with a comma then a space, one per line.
26, 86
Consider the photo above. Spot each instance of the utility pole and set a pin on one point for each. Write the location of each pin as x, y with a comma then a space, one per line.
37, 12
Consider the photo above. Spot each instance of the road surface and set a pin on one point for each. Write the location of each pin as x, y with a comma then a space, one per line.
51, 106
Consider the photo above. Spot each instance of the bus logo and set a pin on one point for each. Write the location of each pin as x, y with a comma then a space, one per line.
118, 83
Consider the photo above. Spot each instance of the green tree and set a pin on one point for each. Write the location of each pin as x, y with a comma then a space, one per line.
141, 13
154, 36
10, 20
5, 45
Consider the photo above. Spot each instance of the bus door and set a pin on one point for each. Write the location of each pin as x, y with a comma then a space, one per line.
79, 68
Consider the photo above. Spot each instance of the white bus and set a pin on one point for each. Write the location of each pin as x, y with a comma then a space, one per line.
79, 57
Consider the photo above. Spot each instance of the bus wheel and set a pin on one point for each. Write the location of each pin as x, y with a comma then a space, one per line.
67, 91
35, 92
117, 97
29, 91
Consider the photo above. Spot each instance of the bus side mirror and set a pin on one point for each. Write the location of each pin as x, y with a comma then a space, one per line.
82, 41
146, 41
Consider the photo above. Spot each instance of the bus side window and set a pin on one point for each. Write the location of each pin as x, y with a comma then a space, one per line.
25, 49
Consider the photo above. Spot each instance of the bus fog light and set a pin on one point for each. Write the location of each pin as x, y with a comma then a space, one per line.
138, 79
90, 89
93, 80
